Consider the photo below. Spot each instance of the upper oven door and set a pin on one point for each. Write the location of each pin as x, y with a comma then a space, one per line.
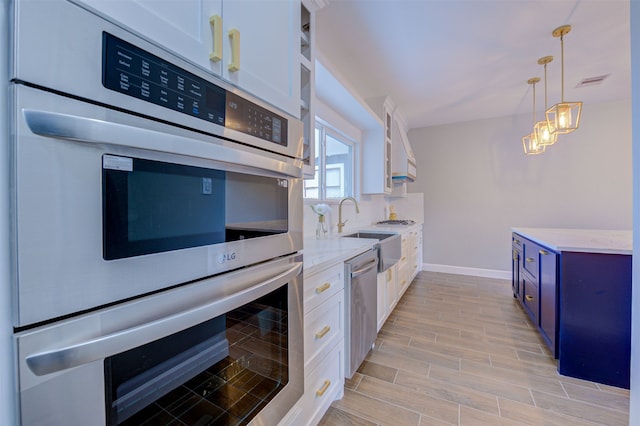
108, 206
84, 55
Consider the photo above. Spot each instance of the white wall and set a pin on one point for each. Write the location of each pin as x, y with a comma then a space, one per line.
477, 183
634, 411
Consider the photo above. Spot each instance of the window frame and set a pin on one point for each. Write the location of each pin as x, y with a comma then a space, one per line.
326, 129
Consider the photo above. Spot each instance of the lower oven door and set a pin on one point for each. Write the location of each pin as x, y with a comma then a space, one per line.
225, 350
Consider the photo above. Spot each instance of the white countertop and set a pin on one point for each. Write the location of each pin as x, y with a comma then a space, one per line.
321, 254
581, 240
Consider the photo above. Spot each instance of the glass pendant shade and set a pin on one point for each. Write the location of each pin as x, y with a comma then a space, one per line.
564, 117
530, 142
531, 146
545, 135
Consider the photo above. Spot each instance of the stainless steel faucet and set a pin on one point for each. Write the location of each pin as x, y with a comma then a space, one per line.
340, 222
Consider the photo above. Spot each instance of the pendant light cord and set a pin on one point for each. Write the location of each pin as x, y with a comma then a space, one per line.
562, 63
534, 104
545, 86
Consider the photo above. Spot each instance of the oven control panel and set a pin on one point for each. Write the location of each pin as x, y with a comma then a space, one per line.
130, 70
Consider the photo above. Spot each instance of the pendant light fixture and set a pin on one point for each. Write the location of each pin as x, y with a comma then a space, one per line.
530, 141
563, 117
545, 134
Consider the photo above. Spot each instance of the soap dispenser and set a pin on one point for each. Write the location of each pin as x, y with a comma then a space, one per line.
392, 213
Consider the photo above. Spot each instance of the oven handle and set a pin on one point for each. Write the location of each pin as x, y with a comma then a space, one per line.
102, 347
75, 128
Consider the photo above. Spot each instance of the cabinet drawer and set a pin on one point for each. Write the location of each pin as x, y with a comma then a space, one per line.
323, 327
516, 241
530, 298
321, 286
323, 385
530, 254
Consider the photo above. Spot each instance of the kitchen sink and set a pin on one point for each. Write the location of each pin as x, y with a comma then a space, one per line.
389, 247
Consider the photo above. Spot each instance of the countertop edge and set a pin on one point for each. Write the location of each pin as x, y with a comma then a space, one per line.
600, 241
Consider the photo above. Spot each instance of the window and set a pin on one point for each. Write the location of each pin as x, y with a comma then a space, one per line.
334, 176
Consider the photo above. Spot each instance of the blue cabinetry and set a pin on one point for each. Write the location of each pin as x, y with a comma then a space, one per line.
516, 266
595, 317
581, 304
548, 263
536, 273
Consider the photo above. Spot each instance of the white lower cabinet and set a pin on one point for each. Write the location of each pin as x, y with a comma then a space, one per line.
387, 294
323, 346
395, 281
414, 247
404, 275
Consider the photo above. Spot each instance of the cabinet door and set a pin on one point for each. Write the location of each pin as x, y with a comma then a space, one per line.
376, 151
267, 39
382, 302
516, 265
269, 48
390, 289
530, 298
515, 272
548, 296
181, 26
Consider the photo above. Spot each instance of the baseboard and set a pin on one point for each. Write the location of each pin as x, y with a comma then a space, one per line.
461, 270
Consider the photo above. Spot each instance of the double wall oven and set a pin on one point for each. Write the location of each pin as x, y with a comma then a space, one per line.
156, 233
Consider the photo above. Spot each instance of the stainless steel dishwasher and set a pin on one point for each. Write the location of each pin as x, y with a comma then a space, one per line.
361, 308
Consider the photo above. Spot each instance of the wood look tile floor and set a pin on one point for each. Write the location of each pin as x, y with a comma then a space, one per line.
459, 350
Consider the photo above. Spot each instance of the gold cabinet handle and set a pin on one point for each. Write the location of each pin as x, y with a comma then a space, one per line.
517, 241
529, 298
215, 21
543, 252
320, 334
324, 388
530, 259
234, 37
323, 287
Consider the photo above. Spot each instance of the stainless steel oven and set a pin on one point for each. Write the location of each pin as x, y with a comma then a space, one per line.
134, 171
225, 350
156, 227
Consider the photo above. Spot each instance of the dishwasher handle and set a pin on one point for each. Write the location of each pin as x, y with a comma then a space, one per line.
373, 263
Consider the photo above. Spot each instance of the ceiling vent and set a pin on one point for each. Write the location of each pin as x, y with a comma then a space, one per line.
592, 81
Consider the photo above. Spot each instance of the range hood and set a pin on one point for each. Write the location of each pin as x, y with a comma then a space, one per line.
403, 162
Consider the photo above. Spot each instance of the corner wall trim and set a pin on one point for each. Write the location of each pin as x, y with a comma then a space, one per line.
462, 270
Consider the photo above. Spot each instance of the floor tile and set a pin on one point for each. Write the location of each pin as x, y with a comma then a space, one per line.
459, 350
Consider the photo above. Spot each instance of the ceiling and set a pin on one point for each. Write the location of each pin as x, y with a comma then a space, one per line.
446, 61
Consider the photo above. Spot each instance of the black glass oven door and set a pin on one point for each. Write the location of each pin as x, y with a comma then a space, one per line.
222, 371
153, 207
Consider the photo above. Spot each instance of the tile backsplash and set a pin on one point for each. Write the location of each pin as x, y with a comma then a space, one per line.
373, 208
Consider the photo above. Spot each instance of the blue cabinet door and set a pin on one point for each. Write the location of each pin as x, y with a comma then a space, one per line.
594, 341
548, 262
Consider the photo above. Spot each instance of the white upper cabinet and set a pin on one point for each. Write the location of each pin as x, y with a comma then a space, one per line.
254, 44
404, 164
269, 49
377, 151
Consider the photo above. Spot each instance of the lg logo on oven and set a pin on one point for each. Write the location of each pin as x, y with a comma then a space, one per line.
226, 257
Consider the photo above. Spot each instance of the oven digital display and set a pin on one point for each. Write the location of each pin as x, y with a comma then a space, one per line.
132, 71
